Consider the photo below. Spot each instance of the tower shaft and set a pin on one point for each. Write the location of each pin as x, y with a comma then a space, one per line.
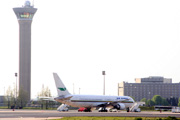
25, 56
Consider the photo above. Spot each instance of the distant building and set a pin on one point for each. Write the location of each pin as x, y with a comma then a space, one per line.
148, 87
3, 100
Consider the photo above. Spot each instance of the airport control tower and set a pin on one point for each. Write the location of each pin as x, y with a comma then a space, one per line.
25, 15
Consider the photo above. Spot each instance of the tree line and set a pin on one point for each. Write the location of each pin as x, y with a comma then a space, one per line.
19, 99
158, 100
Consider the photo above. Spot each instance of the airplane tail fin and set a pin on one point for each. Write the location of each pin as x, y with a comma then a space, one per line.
61, 89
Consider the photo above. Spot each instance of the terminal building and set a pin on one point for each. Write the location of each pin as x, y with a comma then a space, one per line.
148, 87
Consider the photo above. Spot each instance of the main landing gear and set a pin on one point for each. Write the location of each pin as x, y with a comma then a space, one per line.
127, 109
102, 109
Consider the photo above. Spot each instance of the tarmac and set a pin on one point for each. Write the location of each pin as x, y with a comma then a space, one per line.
8, 114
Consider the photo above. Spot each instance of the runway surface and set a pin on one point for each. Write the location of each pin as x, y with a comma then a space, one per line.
7, 114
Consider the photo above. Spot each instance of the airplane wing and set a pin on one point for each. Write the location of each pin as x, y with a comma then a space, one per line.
63, 98
112, 103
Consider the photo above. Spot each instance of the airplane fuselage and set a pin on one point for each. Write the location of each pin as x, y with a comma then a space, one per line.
90, 101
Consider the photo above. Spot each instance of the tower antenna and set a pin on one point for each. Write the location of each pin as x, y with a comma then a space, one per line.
33, 3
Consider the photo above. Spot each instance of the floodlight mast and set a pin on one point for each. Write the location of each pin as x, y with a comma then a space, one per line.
104, 73
25, 15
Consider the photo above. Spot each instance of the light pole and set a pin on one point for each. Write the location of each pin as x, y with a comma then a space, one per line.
4, 91
73, 88
16, 84
103, 73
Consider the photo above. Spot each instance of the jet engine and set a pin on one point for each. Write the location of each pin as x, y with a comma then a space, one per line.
119, 106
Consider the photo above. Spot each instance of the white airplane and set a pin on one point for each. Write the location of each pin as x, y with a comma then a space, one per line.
91, 101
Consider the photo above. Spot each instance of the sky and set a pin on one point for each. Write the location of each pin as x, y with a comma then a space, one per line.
78, 39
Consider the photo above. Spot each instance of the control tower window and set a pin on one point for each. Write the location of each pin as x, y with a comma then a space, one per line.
26, 15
